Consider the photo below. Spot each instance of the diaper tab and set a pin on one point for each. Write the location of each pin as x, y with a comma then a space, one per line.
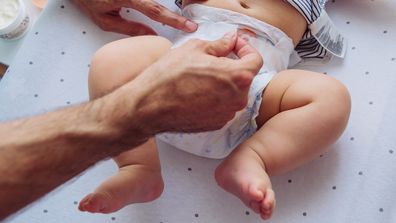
328, 36
321, 39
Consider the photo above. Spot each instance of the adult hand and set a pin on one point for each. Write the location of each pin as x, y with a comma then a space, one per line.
105, 13
195, 87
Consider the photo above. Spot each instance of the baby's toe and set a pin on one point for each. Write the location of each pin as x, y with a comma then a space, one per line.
93, 203
85, 203
269, 200
254, 198
254, 194
255, 206
268, 204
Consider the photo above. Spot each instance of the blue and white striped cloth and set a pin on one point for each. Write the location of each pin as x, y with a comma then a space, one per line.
321, 36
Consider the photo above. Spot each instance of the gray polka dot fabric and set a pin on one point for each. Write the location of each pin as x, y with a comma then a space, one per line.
353, 182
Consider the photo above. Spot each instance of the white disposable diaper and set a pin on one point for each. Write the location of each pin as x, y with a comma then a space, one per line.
276, 49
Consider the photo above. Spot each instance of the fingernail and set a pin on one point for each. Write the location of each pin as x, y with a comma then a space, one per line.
191, 26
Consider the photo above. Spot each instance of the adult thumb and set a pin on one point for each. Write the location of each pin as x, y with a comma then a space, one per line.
222, 47
249, 57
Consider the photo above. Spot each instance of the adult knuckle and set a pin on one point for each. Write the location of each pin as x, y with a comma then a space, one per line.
247, 75
253, 64
258, 62
154, 10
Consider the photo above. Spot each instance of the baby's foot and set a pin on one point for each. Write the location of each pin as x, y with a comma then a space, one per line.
132, 184
246, 178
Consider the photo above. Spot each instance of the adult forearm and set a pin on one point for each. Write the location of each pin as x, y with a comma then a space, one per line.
40, 153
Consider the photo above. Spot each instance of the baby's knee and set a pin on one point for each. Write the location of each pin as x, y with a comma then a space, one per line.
100, 73
322, 89
334, 99
338, 95
139, 50
121, 61
327, 95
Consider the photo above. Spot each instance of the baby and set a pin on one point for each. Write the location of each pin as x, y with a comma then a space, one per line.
290, 119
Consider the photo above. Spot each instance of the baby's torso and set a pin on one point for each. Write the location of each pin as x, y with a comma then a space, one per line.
277, 13
274, 45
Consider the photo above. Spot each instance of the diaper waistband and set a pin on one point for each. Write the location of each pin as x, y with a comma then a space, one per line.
202, 13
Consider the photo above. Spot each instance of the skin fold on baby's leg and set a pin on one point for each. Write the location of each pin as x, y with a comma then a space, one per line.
139, 177
301, 114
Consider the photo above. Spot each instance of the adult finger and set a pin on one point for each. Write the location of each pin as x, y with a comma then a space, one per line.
246, 67
222, 47
250, 58
114, 23
160, 14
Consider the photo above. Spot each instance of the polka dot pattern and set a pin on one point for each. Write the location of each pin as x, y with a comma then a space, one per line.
49, 74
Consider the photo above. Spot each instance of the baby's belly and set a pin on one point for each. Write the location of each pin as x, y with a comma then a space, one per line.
277, 13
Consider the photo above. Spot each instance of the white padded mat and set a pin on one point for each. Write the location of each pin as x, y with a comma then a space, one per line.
354, 182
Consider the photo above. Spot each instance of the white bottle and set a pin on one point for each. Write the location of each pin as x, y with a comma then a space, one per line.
14, 21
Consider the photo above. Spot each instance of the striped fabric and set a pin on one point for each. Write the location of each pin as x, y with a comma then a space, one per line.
309, 47
310, 9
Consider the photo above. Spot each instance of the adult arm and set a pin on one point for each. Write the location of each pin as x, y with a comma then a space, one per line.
38, 154
106, 14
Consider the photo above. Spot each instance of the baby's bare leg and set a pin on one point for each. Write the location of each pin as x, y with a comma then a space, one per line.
139, 178
301, 114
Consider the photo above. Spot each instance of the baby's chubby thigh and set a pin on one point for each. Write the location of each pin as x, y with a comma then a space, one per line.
301, 114
118, 62
290, 89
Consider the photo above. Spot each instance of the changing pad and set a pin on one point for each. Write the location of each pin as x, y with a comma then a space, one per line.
354, 181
